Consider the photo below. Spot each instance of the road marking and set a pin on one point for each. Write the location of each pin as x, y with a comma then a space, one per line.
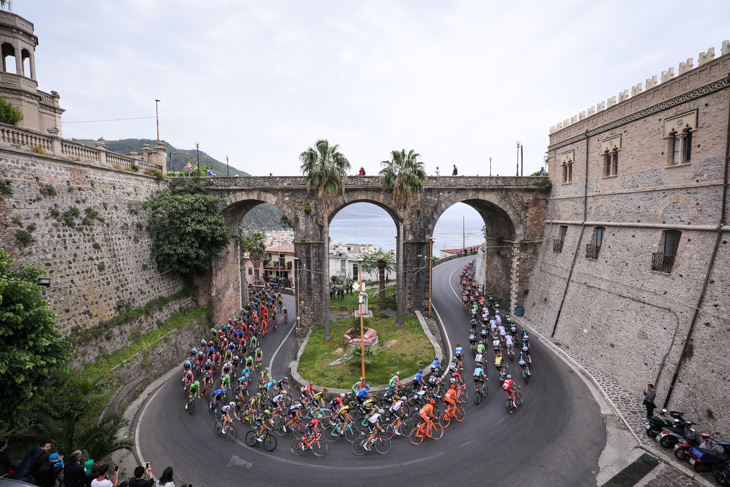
443, 327
271, 364
139, 423
237, 461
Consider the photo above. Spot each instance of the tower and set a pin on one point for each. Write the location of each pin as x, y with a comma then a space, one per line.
18, 84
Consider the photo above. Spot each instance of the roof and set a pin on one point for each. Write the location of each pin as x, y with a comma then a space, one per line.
281, 249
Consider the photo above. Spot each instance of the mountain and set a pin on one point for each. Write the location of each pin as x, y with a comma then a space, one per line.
180, 157
362, 210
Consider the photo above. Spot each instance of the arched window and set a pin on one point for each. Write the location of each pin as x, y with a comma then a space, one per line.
27, 64
8, 54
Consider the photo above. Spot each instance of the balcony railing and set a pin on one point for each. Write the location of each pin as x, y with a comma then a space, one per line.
557, 246
592, 251
661, 262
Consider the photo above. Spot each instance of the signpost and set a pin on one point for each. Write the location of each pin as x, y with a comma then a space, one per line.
189, 168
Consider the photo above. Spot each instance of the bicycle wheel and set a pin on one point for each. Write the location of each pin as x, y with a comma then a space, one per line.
319, 447
279, 426
287, 400
231, 433
518, 399
382, 445
269, 442
358, 448
436, 431
217, 428
417, 436
465, 393
191, 407
332, 433
297, 446
387, 431
510, 408
296, 430
477, 397
351, 433
445, 420
460, 413
406, 428
251, 439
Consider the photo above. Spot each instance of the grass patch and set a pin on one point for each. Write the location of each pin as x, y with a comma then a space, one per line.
350, 300
413, 352
101, 369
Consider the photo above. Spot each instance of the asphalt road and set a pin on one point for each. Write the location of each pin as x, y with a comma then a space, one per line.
554, 439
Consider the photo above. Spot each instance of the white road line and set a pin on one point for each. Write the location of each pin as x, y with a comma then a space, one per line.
271, 364
139, 423
443, 327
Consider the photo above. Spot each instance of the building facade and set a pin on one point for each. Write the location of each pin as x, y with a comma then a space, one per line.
631, 276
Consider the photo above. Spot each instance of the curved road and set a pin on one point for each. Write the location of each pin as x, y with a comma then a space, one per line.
555, 438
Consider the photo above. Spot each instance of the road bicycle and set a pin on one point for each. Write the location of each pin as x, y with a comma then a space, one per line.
296, 428
231, 432
381, 443
403, 426
482, 391
269, 441
452, 412
190, 404
314, 443
518, 402
337, 430
431, 429
526, 375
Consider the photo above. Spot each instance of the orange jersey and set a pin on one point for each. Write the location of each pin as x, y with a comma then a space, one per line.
425, 410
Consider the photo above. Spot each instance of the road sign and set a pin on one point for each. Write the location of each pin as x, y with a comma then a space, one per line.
189, 168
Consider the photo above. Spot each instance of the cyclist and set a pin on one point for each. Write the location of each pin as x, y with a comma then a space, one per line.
194, 390
435, 364
472, 341
283, 385
479, 360
199, 359
524, 364
526, 351
263, 421
373, 427
318, 398
483, 333
509, 344
511, 388
294, 411
235, 363
435, 383
396, 409
451, 397
217, 359
188, 379
240, 395
481, 347
394, 382
363, 394
496, 344
418, 381
336, 403
426, 412
358, 385
226, 382
459, 353
226, 368
226, 412
286, 316
249, 363
311, 430
259, 357
207, 382
218, 395
479, 377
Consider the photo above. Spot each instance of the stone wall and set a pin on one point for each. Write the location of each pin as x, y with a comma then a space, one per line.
98, 267
614, 312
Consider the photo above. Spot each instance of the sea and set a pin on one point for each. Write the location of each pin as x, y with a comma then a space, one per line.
365, 223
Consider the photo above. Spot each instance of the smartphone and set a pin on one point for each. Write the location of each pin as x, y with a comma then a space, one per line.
147, 465
116, 468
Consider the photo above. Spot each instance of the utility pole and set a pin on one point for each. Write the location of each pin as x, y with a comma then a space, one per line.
518, 158
296, 280
362, 328
197, 153
227, 172
463, 237
157, 118
490, 166
430, 272
522, 160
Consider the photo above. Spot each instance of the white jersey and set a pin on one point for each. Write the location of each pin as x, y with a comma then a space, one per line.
374, 418
502, 331
396, 406
496, 343
485, 314
508, 340
478, 358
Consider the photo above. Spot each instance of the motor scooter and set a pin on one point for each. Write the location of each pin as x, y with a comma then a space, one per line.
715, 459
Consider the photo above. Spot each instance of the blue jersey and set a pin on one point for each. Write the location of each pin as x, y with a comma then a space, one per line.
417, 377
211, 350
363, 393
218, 394
478, 371
459, 350
435, 364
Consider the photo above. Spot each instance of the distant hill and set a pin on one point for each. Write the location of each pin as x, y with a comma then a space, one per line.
362, 210
180, 157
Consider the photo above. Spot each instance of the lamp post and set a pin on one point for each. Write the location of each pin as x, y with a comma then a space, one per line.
430, 267
197, 154
490, 166
518, 158
362, 328
157, 118
227, 171
296, 280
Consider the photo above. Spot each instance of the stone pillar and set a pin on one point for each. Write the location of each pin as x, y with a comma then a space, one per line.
101, 145
32, 66
225, 288
313, 290
18, 59
497, 268
400, 278
162, 157
416, 279
514, 278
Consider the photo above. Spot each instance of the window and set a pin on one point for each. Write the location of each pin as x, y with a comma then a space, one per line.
558, 243
256, 274
593, 249
250, 271
664, 261
679, 131
563, 232
682, 148
566, 162
610, 163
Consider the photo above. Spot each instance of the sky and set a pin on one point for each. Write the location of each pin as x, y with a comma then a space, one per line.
456, 81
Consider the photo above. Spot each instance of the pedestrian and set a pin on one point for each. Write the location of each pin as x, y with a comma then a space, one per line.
5, 465
29, 460
455, 172
165, 479
209, 171
74, 473
542, 171
362, 171
102, 481
438, 173
649, 396
139, 480
42, 472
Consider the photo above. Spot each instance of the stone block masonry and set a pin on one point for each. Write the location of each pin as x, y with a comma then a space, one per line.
102, 264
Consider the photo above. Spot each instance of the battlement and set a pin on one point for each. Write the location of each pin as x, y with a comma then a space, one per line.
650, 83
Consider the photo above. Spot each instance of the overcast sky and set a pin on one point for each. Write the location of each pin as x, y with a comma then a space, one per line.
260, 81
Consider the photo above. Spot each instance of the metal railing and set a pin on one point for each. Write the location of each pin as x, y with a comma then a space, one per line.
662, 262
557, 245
592, 251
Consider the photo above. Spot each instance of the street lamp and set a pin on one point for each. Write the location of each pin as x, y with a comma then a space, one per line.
157, 118
518, 157
197, 154
362, 328
490, 166
227, 172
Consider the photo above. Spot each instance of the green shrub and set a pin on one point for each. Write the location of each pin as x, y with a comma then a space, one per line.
54, 212
16, 221
97, 246
48, 190
9, 114
23, 237
101, 267
104, 205
31, 228
158, 175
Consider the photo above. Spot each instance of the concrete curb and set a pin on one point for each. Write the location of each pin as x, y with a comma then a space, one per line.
373, 389
585, 373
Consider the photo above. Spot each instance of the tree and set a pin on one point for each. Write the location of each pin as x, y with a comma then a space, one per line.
403, 175
252, 243
325, 172
381, 260
102, 438
188, 231
8, 113
31, 345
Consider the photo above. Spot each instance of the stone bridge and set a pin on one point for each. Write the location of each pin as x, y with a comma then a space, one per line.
513, 209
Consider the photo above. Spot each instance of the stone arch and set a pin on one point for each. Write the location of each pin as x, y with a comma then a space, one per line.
377, 198
602, 210
677, 208
8, 50
500, 218
239, 203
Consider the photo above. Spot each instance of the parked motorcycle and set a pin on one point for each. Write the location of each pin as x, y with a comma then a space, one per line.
723, 475
715, 459
655, 424
670, 435
683, 446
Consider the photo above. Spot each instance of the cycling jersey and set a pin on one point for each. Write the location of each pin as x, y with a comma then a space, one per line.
393, 381
225, 409
478, 372
417, 377
374, 418
480, 347
472, 337
507, 386
478, 358
508, 340
194, 388
363, 393
459, 351
395, 407
278, 398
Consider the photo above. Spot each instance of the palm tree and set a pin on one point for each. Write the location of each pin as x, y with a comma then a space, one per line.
403, 175
325, 171
381, 260
100, 439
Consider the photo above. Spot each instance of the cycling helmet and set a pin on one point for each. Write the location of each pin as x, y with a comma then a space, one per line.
267, 412
196, 383
285, 379
509, 376
381, 411
420, 371
436, 358
362, 378
432, 401
232, 404
397, 373
258, 394
210, 344
194, 351
311, 383
342, 394
315, 422
403, 398
324, 389
367, 386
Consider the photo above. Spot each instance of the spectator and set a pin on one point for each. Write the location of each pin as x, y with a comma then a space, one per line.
56, 460
649, 396
92, 473
42, 471
438, 173
542, 171
139, 481
102, 481
455, 172
74, 473
166, 479
29, 460
362, 171
5, 465
210, 171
